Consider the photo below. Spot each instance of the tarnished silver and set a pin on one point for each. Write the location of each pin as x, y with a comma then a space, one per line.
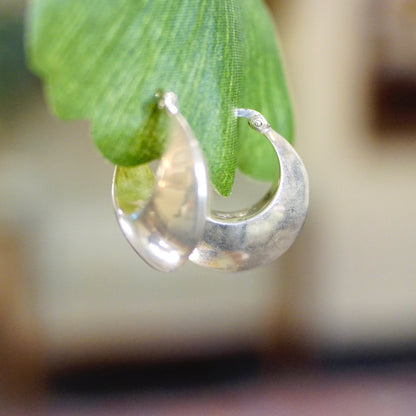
245, 239
166, 230
174, 223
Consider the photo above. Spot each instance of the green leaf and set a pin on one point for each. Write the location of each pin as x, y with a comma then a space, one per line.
103, 61
263, 89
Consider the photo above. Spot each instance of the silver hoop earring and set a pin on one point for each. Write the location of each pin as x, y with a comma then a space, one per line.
166, 230
250, 238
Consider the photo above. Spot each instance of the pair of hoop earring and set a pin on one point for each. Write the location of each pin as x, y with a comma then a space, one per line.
176, 223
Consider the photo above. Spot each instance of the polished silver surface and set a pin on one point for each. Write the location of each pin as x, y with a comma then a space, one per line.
166, 230
245, 239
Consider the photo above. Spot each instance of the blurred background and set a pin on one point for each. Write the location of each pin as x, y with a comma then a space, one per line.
84, 321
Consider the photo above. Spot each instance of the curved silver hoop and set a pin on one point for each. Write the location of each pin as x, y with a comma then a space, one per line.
165, 231
246, 239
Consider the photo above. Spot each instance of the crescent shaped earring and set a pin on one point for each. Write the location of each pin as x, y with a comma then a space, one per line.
175, 224
246, 239
167, 228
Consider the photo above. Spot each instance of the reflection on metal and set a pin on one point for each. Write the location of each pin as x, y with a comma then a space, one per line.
174, 223
245, 239
165, 231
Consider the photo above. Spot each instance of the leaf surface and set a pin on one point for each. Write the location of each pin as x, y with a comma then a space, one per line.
104, 60
263, 89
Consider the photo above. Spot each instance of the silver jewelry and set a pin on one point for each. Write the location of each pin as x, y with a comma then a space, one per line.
175, 223
166, 230
246, 239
